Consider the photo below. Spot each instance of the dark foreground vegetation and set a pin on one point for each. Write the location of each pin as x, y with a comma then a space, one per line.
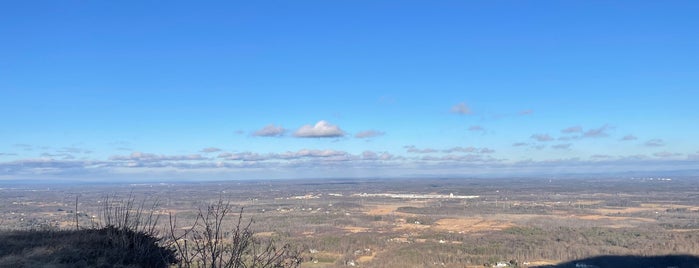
104, 247
128, 235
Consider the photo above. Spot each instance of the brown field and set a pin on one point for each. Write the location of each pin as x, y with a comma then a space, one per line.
471, 225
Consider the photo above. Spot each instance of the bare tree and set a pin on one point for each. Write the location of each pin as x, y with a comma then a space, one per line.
208, 244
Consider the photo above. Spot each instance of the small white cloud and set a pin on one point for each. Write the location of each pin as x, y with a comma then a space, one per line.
564, 146
368, 134
322, 129
597, 132
655, 143
461, 108
270, 131
629, 138
518, 144
541, 137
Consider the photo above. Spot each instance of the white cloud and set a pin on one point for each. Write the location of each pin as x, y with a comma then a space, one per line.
210, 150
270, 131
666, 154
322, 129
573, 129
461, 108
487, 151
368, 134
542, 137
597, 132
655, 143
470, 149
74, 150
629, 138
300, 154
518, 144
565, 138
243, 156
147, 157
526, 112
370, 155
413, 149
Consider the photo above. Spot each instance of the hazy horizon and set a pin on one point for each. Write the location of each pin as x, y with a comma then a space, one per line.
135, 91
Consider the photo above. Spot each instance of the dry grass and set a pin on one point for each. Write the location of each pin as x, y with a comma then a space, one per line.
471, 225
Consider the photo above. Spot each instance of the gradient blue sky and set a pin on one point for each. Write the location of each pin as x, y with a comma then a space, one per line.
110, 90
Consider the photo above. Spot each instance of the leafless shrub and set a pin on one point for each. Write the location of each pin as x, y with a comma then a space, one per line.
208, 244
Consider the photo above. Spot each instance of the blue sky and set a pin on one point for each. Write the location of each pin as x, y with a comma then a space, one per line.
143, 90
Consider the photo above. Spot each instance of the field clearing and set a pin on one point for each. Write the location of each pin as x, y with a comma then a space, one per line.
382, 210
356, 229
471, 225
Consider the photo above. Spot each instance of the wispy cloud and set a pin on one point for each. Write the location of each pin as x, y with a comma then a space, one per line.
370, 155
573, 129
74, 150
567, 138
599, 132
564, 146
148, 157
461, 108
243, 156
457, 158
667, 154
210, 150
526, 112
269, 131
322, 129
64, 156
519, 144
476, 128
629, 138
300, 154
413, 149
470, 149
655, 143
368, 134
541, 137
